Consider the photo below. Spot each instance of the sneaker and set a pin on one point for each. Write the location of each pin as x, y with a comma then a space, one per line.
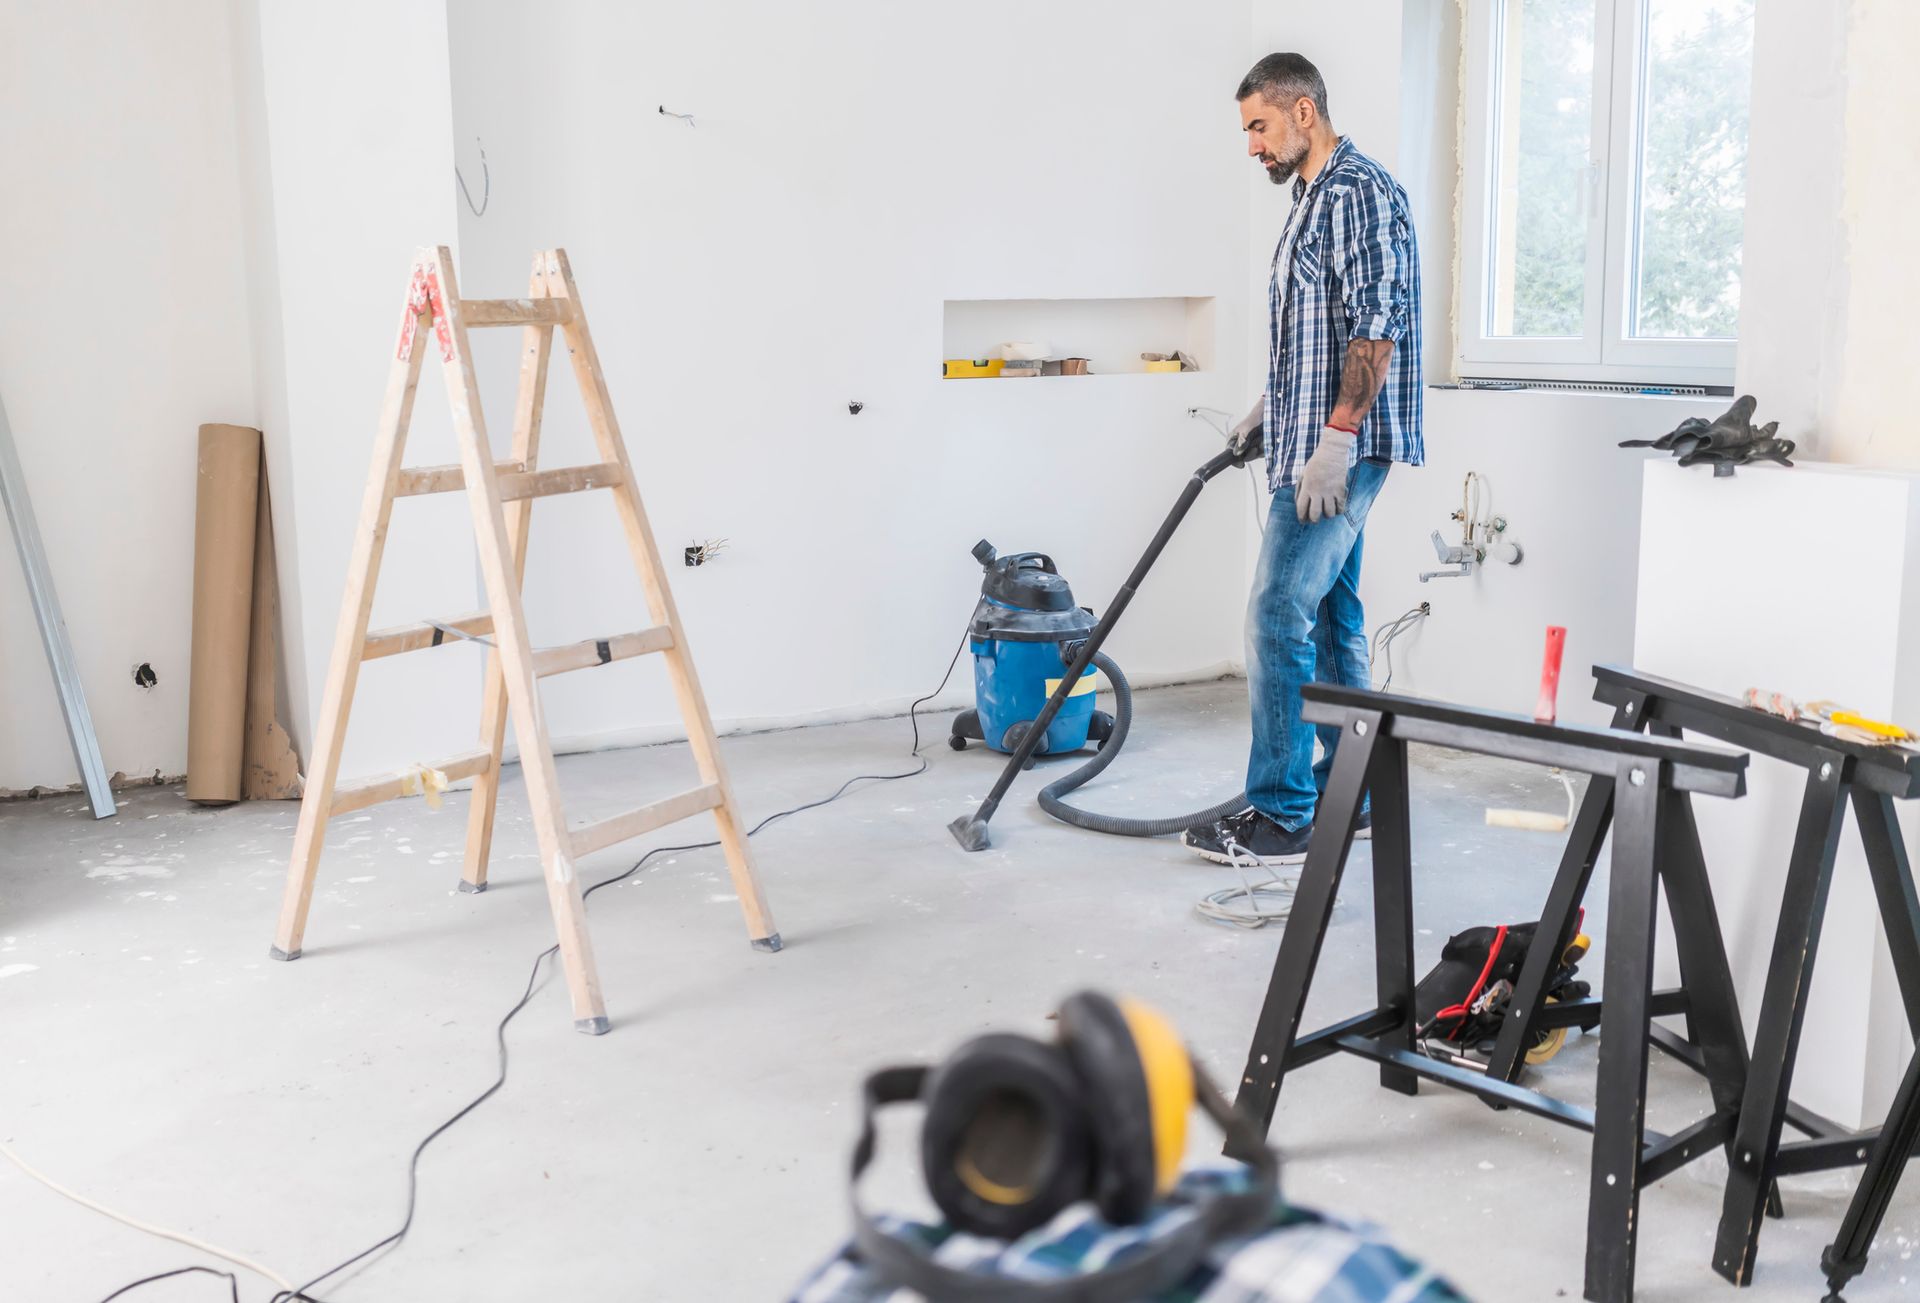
1251, 834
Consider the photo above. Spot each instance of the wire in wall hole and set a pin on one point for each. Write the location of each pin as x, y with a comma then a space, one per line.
1383, 637
687, 118
486, 182
1207, 414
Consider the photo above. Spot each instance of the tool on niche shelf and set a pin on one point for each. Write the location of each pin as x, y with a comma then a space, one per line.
1482, 534
1178, 360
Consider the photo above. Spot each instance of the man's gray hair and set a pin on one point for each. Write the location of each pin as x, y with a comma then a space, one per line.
1283, 80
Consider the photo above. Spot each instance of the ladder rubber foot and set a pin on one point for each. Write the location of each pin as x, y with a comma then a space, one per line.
285, 957
471, 888
769, 944
592, 1026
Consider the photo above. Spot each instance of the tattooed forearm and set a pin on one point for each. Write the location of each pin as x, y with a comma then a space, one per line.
1361, 377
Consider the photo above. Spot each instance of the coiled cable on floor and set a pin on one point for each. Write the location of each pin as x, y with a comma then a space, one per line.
1277, 889
1053, 794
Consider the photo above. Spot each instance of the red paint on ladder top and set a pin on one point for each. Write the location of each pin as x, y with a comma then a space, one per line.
423, 295
1547, 707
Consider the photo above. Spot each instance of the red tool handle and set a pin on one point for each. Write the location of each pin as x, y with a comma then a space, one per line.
1547, 707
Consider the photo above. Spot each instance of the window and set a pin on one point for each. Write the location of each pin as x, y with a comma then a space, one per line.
1604, 188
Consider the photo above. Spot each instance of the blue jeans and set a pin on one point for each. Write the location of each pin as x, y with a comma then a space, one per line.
1304, 624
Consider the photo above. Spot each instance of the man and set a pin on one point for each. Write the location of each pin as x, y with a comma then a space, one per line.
1342, 403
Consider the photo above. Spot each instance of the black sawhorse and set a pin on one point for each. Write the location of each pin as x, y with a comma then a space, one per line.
1654, 840
1838, 772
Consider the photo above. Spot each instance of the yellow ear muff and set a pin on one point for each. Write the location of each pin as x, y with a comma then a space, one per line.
1169, 1074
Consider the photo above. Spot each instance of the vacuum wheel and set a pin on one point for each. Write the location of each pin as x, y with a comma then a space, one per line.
1015, 734
957, 742
1547, 1043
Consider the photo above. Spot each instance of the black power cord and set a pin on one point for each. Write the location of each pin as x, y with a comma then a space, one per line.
233, 1281
300, 1295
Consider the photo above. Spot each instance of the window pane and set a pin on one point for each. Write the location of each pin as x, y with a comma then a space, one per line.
1692, 191
1543, 131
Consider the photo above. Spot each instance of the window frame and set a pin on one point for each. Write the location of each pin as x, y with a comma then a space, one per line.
1604, 351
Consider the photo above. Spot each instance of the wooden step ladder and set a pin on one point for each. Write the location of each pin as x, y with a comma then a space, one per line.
500, 494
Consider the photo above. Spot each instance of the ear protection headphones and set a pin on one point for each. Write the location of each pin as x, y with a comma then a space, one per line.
1017, 1129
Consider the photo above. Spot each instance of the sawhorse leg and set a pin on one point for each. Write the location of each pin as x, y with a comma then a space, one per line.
1286, 1000
1763, 1109
1846, 1257
1619, 1115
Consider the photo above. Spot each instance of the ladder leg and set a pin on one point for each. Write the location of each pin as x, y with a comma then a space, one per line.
515, 653
646, 559
343, 672
536, 347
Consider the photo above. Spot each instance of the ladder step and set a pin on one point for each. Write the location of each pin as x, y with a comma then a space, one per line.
415, 480
516, 312
601, 651
413, 637
361, 793
563, 479
636, 823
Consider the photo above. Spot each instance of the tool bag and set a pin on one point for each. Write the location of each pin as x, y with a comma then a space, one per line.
1465, 997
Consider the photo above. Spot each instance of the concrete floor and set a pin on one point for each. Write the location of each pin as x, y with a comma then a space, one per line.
161, 1063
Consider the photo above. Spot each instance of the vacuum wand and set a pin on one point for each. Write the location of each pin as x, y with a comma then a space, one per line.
971, 830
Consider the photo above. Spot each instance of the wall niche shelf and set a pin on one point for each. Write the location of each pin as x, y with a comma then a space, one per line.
1110, 333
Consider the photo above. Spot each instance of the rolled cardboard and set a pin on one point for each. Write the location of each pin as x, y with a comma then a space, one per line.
225, 513
271, 770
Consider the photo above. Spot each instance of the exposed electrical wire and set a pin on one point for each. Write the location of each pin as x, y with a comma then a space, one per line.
1226, 435
289, 1294
486, 182
178, 1237
1383, 639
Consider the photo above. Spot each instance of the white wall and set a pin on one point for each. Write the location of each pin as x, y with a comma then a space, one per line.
1873, 408
852, 169
1721, 626
349, 168
123, 327
1793, 285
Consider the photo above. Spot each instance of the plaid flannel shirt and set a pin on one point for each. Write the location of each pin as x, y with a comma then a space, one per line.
1302, 1257
1346, 268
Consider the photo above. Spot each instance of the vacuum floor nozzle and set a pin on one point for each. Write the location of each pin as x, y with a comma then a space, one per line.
970, 832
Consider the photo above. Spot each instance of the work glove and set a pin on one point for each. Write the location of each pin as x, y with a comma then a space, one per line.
1244, 440
1321, 491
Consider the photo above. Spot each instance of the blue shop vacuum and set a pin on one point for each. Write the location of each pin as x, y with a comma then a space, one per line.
1034, 656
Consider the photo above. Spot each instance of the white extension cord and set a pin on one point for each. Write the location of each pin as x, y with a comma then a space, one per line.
162, 1232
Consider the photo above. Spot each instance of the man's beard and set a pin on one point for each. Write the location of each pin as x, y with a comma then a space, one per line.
1281, 170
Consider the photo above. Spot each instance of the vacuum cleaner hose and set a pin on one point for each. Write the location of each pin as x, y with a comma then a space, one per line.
1051, 796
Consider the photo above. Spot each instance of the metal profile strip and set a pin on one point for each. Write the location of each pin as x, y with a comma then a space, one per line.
53, 626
